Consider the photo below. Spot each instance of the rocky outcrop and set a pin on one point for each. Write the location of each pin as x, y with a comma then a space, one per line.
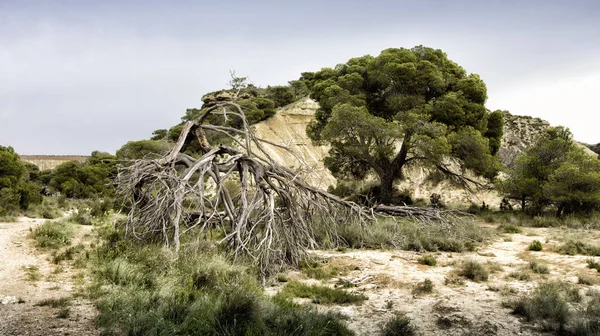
44, 162
288, 127
520, 132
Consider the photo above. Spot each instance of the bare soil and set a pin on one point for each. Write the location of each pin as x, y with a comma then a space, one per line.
388, 278
26, 318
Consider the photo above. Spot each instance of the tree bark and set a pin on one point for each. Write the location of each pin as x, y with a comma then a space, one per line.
386, 187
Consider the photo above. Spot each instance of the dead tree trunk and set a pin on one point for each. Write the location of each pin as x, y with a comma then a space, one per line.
271, 218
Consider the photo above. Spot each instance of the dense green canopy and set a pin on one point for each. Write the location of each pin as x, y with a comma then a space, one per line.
554, 171
17, 187
405, 105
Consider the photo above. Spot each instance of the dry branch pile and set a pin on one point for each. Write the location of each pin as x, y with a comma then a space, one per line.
270, 216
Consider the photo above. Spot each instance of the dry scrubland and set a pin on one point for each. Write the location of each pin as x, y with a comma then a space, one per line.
503, 275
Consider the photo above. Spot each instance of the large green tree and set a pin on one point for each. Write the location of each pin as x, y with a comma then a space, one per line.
405, 105
554, 171
17, 190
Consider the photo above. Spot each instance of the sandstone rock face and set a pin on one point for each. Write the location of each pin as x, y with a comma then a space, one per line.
288, 127
519, 133
51, 161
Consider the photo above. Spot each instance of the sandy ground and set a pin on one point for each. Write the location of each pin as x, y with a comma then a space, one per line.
474, 308
16, 253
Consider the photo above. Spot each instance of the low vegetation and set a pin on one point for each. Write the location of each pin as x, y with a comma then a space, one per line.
53, 234
321, 294
424, 287
143, 289
559, 306
398, 325
323, 269
428, 260
464, 236
55, 302
474, 271
536, 245
575, 247
539, 267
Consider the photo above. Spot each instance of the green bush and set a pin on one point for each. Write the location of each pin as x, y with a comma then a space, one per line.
410, 235
547, 304
53, 234
143, 289
428, 260
575, 247
593, 264
398, 326
539, 267
321, 294
510, 228
424, 287
536, 245
473, 270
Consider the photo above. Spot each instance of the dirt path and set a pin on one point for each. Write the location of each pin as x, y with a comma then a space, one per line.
19, 293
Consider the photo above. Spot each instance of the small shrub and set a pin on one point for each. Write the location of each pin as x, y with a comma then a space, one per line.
545, 304
63, 313
521, 275
428, 260
588, 280
67, 254
538, 267
55, 303
575, 247
536, 245
282, 277
8, 219
32, 272
474, 271
53, 234
324, 269
510, 228
494, 267
453, 279
424, 287
593, 264
321, 294
398, 326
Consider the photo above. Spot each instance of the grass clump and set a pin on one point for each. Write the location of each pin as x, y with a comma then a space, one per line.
398, 326
321, 294
538, 267
67, 254
424, 287
575, 247
588, 280
536, 245
322, 269
63, 313
32, 272
521, 275
428, 260
142, 289
53, 234
55, 303
549, 305
474, 271
593, 264
414, 236
8, 219
509, 228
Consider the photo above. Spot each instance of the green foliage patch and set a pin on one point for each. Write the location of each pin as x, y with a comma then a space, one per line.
53, 234
321, 294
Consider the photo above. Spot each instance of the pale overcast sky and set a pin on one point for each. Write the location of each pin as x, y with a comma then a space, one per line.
76, 76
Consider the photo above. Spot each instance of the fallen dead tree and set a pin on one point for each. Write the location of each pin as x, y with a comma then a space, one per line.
271, 218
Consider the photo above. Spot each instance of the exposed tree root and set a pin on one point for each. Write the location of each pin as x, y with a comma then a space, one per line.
272, 214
